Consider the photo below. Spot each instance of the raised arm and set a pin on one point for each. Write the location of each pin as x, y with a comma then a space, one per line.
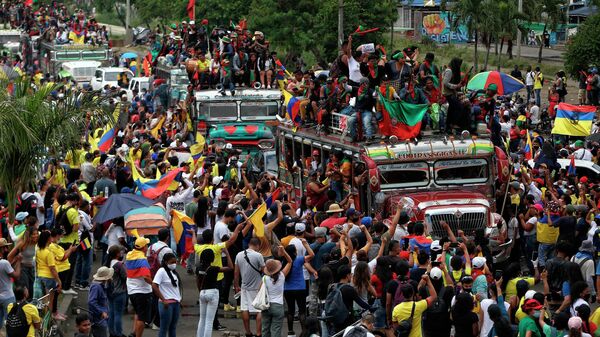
368, 236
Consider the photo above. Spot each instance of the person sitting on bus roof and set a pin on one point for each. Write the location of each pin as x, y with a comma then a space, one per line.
343, 96
327, 103
363, 108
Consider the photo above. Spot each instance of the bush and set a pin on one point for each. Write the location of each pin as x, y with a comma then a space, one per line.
584, 49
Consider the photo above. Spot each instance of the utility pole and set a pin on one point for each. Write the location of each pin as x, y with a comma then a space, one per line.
519, 38
128, 36
340, 23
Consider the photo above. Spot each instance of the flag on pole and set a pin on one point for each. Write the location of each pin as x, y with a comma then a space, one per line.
292, 106
272, 197
571, 169
181, 225
191, 9
256, 219
528, 148
362, 31
401, 119
106, 141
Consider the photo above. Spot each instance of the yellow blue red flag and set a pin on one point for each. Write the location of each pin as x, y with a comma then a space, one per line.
573, 120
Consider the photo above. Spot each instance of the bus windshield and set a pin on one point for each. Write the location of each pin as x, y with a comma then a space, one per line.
253, 110
414, 174
461, 171
218, 110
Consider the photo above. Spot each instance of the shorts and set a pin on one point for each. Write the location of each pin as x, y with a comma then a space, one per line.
247, 297
47, 284
142, 306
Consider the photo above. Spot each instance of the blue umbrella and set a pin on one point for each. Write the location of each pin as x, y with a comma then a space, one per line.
118, 204
129, 55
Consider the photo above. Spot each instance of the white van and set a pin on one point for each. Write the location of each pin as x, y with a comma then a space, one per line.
82, 71
108, 76
583, 168
137, 83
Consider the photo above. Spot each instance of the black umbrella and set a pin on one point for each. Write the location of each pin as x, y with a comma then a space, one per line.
118, 204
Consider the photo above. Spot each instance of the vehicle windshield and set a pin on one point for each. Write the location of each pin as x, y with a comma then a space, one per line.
111, 76
461, 171
414, 174
271, 162
218, 111
253, 110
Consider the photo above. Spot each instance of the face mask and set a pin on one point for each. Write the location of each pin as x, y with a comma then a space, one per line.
172, 266
536, 314
586, 297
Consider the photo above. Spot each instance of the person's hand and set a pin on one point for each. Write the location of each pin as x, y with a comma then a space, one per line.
425, 277
446, 246
499, 282
104, 315
444, 225
462, 246
18, 258
316, 275
280, 250
165, 304
362, 228
522, 216
236, 288
58, 285
384, 241
544, 275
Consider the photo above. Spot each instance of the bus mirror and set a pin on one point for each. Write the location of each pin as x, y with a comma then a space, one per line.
393, 140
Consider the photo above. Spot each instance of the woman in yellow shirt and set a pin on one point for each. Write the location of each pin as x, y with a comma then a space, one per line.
46, 268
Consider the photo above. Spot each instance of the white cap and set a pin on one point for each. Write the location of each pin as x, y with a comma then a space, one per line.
217, 180
435, 245
436, 273
300, 227
529, 294
135, 140
228, 146
192, 22
478, 262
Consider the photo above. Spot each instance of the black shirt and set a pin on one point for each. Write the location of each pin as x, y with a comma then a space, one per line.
209, 277
335, 265
566, 228
463, 324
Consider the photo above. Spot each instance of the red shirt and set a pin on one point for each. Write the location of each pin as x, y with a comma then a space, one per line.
330, 222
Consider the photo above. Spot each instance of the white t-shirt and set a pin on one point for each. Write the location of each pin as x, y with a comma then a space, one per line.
156, 247
114, 233
534, 114
487, 322
300, 251
221, 230
578, 302
400, 233
85, 222
217, 197
592, 231
138, 286
179, 200
351, 327
582, 154
533, 220
41, 216
529, 78
165, 286
533, 190
275, 290
354, 70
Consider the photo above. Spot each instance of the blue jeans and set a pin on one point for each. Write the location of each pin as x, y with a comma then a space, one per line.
529, 242
116, 307
272, 320
365, 117
380, 321
3, 312
168, 319
83, 267
538, 97
529, 92
545, 252
209, 303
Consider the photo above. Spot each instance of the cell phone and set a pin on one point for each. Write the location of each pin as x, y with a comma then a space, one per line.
436, 263
453, 244
498, 275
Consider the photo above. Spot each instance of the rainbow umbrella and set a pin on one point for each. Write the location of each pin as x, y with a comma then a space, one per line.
506, 83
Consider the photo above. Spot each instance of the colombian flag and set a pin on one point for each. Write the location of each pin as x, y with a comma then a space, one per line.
273, 197
136, 264
292, 105
528, 148
85, 244
181, 224
106, 141
571, 168
153, 188
422, 242
573, 120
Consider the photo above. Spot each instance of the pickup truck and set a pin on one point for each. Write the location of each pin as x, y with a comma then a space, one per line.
108, 76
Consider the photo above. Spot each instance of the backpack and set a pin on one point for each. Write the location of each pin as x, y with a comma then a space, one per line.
357, 331
62, 220
153, 260
333, 302
405, 326
28, 205
437, 314
398, 296
16, 321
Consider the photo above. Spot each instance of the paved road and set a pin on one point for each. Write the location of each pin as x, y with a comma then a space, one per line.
188, 321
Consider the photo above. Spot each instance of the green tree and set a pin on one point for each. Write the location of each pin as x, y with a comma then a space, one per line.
31, 128
471, 12
547, 12
308, 25
114, 6
490, 26
165, 11
584, 49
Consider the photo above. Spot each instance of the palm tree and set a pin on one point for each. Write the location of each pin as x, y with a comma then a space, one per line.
471, 12
490, 25
547, 12
32, 127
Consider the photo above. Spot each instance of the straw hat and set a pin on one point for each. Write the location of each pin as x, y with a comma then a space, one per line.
104, 274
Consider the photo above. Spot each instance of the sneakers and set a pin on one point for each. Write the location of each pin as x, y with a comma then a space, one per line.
69, 292
81, 287
228, 307
219, 328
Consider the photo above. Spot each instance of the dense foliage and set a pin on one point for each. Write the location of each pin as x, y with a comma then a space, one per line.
584, 49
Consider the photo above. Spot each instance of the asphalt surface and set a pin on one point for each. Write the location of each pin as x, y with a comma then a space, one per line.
188, 322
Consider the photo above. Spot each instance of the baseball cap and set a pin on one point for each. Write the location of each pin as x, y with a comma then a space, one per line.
538, 207
478, 262
141, 242
531, 304
367, 221
435, 246
21, 216
529, 294
575, 322
583, 180
435, 273
300, 227
351, 211
539, 181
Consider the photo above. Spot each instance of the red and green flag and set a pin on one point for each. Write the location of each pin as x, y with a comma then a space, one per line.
400, 118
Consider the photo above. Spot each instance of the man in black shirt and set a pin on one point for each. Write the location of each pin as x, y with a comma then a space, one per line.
349, 295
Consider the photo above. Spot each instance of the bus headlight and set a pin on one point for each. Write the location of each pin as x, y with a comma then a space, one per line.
265, 144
